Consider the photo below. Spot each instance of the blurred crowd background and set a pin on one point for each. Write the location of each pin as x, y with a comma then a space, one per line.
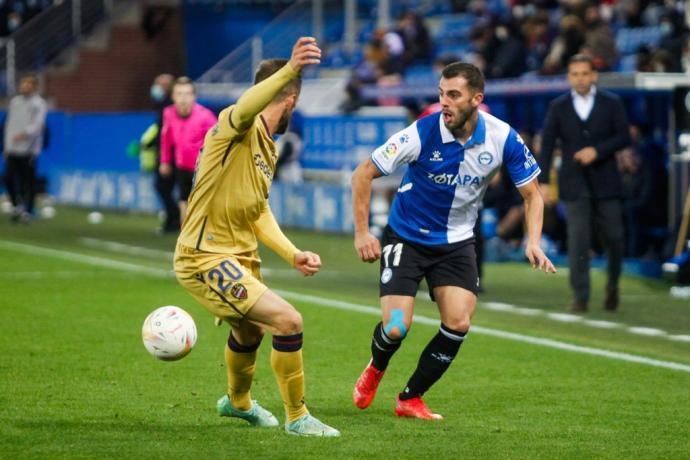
96, 61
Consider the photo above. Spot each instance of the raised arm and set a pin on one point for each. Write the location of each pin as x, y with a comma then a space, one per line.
256, 98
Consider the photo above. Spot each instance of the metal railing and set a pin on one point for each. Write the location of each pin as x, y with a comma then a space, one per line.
40, 41
304, 17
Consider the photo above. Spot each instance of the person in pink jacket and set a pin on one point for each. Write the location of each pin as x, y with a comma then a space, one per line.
185, 124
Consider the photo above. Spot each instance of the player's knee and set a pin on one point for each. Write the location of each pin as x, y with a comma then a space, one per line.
398, 325
460, 324
290, 322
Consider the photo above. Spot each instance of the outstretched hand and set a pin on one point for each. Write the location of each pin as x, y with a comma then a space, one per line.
305, 52
308, 263
538, 259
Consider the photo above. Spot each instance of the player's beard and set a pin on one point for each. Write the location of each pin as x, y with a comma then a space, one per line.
461, 117
284, 122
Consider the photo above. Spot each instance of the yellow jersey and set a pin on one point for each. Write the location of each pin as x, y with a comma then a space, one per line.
228, 206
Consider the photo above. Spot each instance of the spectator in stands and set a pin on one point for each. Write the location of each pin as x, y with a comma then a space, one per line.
155, 18
599, 43
509, 58
289, 147
394, 49
685, 58
673, 37
15, 13
483, 46
415, 37
366, 72
568, 42
536, 33
24, 130
592, 126
161, 90
185, 124
644, 178
630, 13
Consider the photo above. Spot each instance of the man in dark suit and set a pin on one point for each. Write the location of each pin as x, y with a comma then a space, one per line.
592, 126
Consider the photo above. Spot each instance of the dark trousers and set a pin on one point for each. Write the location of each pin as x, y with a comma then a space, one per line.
165, 186
20, 180
605, 217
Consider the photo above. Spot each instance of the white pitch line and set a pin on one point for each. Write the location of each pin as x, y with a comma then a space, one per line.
342, 305
114, 246
601, 324
62, 274
87, 259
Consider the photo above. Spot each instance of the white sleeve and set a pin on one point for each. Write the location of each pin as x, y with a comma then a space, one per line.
401, 148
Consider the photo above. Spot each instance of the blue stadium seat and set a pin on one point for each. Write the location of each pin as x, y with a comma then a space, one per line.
627, 63
629, 40
454, 27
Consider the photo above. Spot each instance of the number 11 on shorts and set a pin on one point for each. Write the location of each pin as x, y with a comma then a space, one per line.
397, 253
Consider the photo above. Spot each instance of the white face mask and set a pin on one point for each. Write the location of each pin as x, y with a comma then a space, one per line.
157, 93
13, 23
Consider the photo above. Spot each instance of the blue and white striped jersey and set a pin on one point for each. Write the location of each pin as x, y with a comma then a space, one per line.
441, 192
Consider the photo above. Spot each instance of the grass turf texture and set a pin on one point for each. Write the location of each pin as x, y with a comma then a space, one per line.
77, 382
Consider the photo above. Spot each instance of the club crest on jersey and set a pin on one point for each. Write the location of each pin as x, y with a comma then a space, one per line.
390, 150
436, 156
386, 275
485, 158
238, 291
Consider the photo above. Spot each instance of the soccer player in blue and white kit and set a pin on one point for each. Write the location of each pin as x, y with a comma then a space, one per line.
451, 157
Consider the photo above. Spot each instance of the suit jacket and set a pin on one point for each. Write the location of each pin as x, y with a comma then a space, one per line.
606, 130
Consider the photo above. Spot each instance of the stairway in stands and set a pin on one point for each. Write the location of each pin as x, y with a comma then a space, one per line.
112, 69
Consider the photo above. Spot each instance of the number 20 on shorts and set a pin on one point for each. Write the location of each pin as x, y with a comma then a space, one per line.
224, 274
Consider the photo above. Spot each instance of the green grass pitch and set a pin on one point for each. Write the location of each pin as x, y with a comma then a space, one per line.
76, 381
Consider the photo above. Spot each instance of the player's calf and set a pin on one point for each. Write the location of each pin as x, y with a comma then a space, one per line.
383, 346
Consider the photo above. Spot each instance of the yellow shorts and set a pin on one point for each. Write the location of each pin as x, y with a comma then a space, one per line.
226, 285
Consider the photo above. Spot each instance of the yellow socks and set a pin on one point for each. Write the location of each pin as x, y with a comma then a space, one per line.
286, 360
240, 361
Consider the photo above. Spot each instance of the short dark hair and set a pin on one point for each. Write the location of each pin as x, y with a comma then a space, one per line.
184, 81
471, 73
581, 58
271, 66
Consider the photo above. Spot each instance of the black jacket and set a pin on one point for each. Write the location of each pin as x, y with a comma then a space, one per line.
606, 130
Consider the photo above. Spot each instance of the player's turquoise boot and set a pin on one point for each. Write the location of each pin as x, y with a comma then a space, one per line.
310, 426
257, 415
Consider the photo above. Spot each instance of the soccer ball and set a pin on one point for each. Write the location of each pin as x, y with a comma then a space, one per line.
169, 333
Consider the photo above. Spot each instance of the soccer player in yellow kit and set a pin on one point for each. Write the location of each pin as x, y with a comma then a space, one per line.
216, 258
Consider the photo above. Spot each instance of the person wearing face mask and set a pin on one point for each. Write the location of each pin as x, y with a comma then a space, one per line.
185, 124
150, 143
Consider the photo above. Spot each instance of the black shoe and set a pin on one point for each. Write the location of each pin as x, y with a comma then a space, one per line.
612, 299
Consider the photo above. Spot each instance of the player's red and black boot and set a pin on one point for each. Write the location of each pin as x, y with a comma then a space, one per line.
415, 408
365, 388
